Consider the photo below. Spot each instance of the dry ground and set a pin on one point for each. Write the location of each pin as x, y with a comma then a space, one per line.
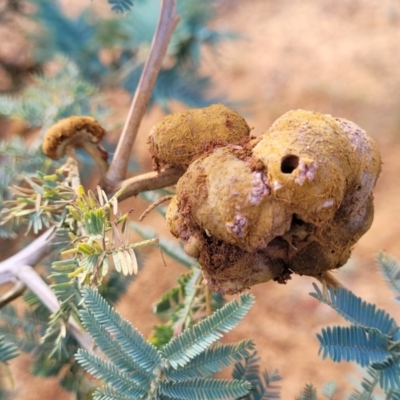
339, 57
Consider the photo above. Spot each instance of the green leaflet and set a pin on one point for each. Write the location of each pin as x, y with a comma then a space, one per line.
192, 342
8, 350
132, 342
205, 389
309, 393
112, 349
391, 271
355, 310
136, 370
110, 374
212, 360
353, 344
263, 385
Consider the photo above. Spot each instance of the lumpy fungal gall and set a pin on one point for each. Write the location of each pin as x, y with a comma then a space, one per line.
294, 200
179, 138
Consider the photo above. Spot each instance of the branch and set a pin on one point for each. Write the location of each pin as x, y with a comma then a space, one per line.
148, 181
166, 26
327, 279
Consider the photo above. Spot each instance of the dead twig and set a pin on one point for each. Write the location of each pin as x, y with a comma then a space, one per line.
152, 206
16, 291
148, 181
327, 279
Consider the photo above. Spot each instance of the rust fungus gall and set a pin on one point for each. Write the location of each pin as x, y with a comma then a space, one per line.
295, 200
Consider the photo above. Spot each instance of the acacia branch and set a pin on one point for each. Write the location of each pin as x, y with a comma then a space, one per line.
148, 181
166, 26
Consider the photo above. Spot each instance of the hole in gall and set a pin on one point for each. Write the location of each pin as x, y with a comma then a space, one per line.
289, 164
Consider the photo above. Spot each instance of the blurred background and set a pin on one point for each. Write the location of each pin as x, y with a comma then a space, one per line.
337, 57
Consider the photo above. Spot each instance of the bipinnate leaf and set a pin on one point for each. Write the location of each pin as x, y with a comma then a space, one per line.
309, 393
391, 271
110, 374
353, 344
131, 341
113, 349
211, 361
8, 350
263, 385
194, 341
356, 310
120, 6
205, 389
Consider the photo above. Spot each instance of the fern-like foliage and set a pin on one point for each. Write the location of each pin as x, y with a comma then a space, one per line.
26, 332
390, 268
72, 37
8, 350
357, 311
121, 6
16, 162
354, 344
193, 342
52, 97
82, 40
329, 389
309, 393
182, 369
263, 385
372, 340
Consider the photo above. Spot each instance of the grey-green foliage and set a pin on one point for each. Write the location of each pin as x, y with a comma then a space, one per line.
390, 268
51, 97
82, 39
264, 385
373, 338
8, 350
182, 369
16, 162
121, 6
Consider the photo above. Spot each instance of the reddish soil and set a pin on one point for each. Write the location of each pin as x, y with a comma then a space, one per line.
337, 57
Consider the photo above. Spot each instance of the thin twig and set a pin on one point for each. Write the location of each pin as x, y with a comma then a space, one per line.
16, 291
327, 279
148, 181
208, 301
152, 206
166, 26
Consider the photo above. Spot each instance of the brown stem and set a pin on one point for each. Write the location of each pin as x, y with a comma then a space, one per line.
166, 26
152, 206
148, 181
327, 279
16, 291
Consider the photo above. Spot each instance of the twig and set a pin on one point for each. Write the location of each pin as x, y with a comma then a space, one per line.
166, 26
208, 301
148, 181
152, 206
17, 290
327, 279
